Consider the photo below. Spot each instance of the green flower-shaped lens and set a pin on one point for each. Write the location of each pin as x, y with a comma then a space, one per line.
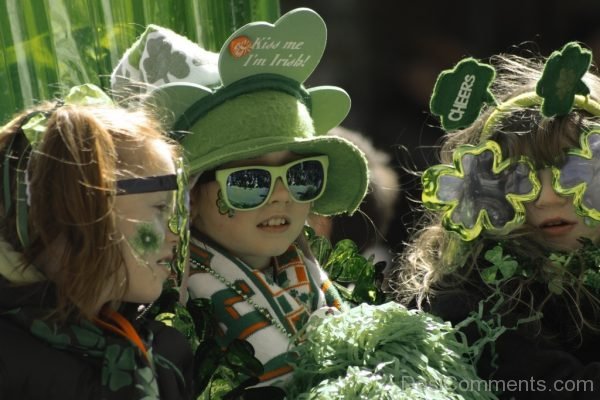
480, 192
580, 176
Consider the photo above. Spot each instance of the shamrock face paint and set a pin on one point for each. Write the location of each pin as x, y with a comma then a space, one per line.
144, 210
147, 240
222, 206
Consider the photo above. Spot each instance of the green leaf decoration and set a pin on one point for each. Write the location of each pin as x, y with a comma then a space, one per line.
592, 279
207, 358
180, 320
489, 274
494, 255
508, 268
346, 268
118, 370
561, 79
460, 93
34, 128
148, 384
86, 94
89, 338
567, 269
166, 318
320, 246
225, 367
49, 334
345, 264
555, 286
560, 260
505, 264
201, 312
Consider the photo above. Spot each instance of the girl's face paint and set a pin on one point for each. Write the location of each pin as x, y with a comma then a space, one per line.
148, 244
147, 240
223, 207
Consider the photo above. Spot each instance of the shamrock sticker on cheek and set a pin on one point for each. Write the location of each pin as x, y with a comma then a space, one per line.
580, 176
147, 239
479, 192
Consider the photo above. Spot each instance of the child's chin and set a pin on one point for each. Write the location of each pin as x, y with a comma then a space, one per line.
564, 245
276, 251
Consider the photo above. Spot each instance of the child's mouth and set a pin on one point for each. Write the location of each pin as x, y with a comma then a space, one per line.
556, 226
274, 224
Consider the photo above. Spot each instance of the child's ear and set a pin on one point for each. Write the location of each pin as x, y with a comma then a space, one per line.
194, 200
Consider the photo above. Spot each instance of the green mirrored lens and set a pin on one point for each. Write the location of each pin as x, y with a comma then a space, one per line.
248, 188
305, 180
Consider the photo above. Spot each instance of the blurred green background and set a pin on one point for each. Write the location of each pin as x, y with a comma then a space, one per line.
48, 46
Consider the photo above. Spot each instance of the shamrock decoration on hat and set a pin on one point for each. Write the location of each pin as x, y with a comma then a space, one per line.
249, 99
161, 56
459, 93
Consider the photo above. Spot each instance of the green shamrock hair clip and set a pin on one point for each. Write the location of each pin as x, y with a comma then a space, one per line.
479, 191
460, 93
561, 79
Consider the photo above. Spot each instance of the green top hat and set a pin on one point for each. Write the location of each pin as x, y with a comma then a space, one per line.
251, 103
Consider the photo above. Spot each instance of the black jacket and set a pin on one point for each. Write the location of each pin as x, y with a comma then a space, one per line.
31, 369
546, 359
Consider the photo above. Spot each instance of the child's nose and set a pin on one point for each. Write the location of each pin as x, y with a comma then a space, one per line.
280, 192
548, 197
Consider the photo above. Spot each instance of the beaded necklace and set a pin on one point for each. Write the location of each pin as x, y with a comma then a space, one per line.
263, 311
